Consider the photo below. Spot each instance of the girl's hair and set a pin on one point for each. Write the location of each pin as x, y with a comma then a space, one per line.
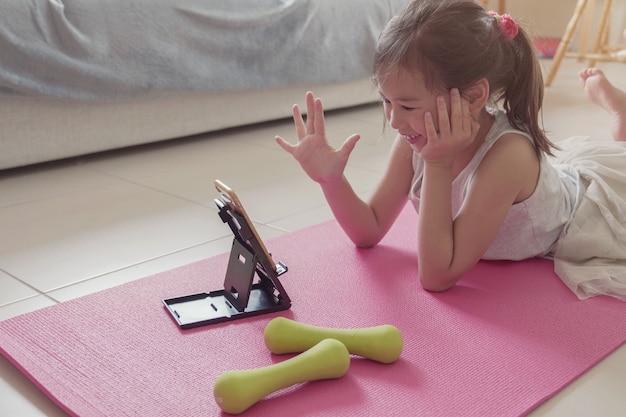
454, 43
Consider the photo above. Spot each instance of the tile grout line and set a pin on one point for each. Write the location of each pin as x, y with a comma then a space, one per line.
148, 187
26, 284
131, 266
47, 293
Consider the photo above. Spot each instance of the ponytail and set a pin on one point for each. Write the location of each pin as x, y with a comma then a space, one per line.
522, 93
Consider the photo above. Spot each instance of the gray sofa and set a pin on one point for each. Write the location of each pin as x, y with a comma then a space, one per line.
78, 77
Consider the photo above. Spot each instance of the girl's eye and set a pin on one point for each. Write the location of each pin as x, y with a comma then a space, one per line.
405, 108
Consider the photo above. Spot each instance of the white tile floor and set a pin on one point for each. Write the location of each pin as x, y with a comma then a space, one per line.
75, 227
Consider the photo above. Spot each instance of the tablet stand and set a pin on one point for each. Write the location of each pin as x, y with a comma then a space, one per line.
241, 296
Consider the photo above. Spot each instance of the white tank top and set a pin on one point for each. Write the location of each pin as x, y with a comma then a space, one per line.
531, 227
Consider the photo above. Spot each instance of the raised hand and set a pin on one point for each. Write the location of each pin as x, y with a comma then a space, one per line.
316, 156
457, 129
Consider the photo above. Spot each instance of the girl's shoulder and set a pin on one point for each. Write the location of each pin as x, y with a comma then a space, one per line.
513, 147
512, 158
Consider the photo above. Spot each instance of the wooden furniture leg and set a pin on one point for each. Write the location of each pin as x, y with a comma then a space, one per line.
565, 40
586, 28
603, 32
501, 5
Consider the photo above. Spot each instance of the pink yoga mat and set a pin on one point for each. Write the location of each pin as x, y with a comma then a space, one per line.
507, 338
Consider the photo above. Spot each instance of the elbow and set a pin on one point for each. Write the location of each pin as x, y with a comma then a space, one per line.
365, 242
430, 287
365, 245
437, 284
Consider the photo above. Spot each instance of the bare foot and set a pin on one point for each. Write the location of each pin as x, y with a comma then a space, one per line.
601, 92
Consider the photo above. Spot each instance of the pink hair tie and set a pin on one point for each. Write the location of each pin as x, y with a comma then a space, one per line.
507, 25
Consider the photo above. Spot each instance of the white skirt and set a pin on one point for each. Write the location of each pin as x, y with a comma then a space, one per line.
590, 255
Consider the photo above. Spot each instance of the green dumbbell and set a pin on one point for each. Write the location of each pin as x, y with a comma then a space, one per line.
380, 343
236, 391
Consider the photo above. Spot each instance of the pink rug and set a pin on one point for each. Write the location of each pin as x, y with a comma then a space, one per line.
507, 338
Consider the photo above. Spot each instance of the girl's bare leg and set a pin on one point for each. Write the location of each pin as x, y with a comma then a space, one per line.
601, 92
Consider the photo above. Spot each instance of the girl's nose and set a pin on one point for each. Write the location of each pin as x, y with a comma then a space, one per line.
395, 120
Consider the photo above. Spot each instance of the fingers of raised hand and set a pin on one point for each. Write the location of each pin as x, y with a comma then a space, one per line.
285, 145
310, 112
314, 117
349, 144
298, 121
319, 123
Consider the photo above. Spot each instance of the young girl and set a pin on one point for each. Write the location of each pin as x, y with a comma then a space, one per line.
480, 177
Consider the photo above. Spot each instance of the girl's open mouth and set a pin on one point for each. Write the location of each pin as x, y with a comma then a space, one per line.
412, 139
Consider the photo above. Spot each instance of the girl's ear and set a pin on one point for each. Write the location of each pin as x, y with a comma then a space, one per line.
477, 94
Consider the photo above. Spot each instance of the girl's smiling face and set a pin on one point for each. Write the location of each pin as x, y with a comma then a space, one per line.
405, 101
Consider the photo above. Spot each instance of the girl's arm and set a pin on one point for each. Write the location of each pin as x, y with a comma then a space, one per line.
366, 223
448, 247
